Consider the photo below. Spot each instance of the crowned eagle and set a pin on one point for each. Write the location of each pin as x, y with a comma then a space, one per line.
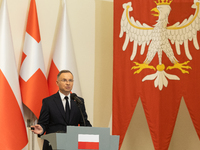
158, 38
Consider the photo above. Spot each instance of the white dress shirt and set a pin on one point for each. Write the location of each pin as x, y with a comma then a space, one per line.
62, 96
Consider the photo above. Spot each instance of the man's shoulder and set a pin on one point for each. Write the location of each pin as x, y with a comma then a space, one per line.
51, 97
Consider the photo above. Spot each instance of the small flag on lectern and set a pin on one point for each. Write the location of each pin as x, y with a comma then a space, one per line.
88, 141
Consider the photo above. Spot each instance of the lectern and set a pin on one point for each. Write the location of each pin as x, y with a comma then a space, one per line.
83, 138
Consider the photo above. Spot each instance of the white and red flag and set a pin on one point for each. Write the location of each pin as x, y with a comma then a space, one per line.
33, 80
156, 58
12, 127
63, 57
88, 141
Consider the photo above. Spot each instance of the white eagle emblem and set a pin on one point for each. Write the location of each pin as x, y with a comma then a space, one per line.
157, 38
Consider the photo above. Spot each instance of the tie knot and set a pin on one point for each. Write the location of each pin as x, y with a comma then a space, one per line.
66, 97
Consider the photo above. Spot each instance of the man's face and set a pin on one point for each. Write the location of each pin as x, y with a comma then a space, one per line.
65, 83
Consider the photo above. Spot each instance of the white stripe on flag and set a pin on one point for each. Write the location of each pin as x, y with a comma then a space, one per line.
88, 138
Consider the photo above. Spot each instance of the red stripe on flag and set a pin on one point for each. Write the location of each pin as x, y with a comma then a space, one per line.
23, 57
53, 88
33, 98
88, 145
32, 27
12, 127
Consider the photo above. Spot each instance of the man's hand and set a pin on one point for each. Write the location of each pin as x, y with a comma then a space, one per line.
37, 129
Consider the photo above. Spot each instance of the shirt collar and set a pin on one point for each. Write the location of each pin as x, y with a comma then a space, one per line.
62, 96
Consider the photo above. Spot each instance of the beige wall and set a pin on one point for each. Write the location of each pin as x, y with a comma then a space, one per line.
91, 24
103, 63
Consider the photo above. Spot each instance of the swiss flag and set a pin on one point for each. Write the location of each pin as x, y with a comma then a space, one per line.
33, 80
13, 134
88, 141
63, 57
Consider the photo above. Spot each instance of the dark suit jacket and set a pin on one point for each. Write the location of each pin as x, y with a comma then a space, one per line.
52, 115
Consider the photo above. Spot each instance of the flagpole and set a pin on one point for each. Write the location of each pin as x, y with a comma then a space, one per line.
33, 135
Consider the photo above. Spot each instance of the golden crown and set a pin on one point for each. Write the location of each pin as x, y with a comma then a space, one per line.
163, 3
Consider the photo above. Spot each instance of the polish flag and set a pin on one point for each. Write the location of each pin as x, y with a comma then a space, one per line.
13, 134
33, 80
63, 57
88, 141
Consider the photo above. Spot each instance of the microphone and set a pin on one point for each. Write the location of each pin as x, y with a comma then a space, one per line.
75, 97
78, 102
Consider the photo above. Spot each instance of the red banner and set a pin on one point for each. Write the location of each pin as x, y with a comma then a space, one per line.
156, 58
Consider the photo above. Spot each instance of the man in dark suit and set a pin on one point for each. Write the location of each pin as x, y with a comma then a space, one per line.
60, 110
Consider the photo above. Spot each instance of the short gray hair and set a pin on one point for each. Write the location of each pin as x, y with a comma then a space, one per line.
63, 71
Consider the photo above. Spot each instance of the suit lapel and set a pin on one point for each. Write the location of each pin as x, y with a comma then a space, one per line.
73, 108
59, 104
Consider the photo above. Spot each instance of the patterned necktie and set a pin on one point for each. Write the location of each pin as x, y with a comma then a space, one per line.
67, 110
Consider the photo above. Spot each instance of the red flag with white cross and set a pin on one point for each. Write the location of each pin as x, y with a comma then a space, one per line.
33, 82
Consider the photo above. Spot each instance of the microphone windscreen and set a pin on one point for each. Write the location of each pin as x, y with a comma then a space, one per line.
73, 95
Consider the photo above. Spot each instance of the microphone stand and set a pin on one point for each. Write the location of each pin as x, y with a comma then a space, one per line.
81, 113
